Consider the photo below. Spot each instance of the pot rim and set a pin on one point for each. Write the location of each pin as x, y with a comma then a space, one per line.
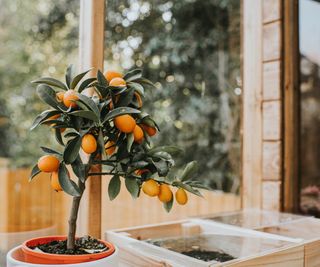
84, 257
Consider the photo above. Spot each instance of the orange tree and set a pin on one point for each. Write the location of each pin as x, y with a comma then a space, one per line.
112, 131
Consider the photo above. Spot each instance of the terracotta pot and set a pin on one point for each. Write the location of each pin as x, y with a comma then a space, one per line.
36, 257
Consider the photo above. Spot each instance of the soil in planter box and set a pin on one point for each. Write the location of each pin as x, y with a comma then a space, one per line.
84, 245
208, 255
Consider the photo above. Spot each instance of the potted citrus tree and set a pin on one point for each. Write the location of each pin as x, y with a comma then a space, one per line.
108, 132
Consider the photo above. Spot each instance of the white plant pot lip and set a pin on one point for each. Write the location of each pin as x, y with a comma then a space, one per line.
18, 263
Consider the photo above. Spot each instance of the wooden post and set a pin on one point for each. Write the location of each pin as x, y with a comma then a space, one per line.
252, 103
91, 46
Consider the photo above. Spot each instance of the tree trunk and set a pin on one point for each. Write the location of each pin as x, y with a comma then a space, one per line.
73, 222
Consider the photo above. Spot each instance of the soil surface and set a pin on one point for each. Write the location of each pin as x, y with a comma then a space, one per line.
208, 255
84, 245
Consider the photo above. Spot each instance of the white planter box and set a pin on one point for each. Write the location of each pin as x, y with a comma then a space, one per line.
15, 258
176, 237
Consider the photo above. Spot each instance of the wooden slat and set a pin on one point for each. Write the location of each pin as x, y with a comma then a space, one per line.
91, 46
4, 194
271, 10
291, 106
271, 120
272, 41
272, 80
272, 160
271, 195
312, 254
252, 101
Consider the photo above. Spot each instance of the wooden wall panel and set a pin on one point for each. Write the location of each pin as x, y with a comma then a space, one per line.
272, 41
271, 195
272, 80
272, 160
271, 10
271, 120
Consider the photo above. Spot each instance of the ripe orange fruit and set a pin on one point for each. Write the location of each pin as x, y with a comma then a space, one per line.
125, 123
60, 96
112, 74
48, 163
89, 143
55, 182
110, 147
119, 82
165, 194
69, 97
181, 196
138, 134
151, 188
151, 131
138, 99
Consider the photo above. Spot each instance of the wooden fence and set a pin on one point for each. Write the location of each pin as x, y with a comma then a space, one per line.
29, 206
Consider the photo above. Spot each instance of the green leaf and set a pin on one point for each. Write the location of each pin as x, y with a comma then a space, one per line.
78, 78
48, 95
50, 151
101, 79
133, 75
114, 187
187, 187
120, 111
71, 151
130, 140
85, 84
137, 87
66, 183
101, 144
162, 155
87, 114
132, 186
79, 169
43, 117
125, 99
35, 171
168, 205
51, 82
90, 104
69, 75
189, 171
145, 81
59, 136
172, 150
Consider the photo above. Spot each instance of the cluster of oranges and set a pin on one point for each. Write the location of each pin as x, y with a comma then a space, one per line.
152, 188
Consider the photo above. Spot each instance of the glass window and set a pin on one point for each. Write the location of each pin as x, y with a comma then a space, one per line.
309, 33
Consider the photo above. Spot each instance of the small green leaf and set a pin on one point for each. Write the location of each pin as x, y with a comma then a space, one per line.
66, 183
189, 171
71, 151
101, 79
50, 151
69, 75
78, 78
85, 84
87, 114
120, 111
101, 145
133, 187
172, 150
48, 95
114, 187
43, 117
35, 171
51, 82
130, 140
79, 169
137, 87
133, 75
145, 81
168, 205
59, 136
90, 104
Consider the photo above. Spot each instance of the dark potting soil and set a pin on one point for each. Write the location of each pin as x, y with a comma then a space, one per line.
82, 244
208, 255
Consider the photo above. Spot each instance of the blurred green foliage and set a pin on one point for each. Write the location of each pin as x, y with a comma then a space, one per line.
191, 48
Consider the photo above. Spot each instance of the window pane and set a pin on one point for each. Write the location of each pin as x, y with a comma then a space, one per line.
310, 105
191, 49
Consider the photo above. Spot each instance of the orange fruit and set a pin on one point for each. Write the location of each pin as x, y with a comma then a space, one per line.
165, 194
151, 188
48, 163
125, 123
140, 172
110, 147
181, 196
60, 96
110, 74
55, 182
151, 131
138, 97
138, 134
69, 97
118, 82
89, 143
